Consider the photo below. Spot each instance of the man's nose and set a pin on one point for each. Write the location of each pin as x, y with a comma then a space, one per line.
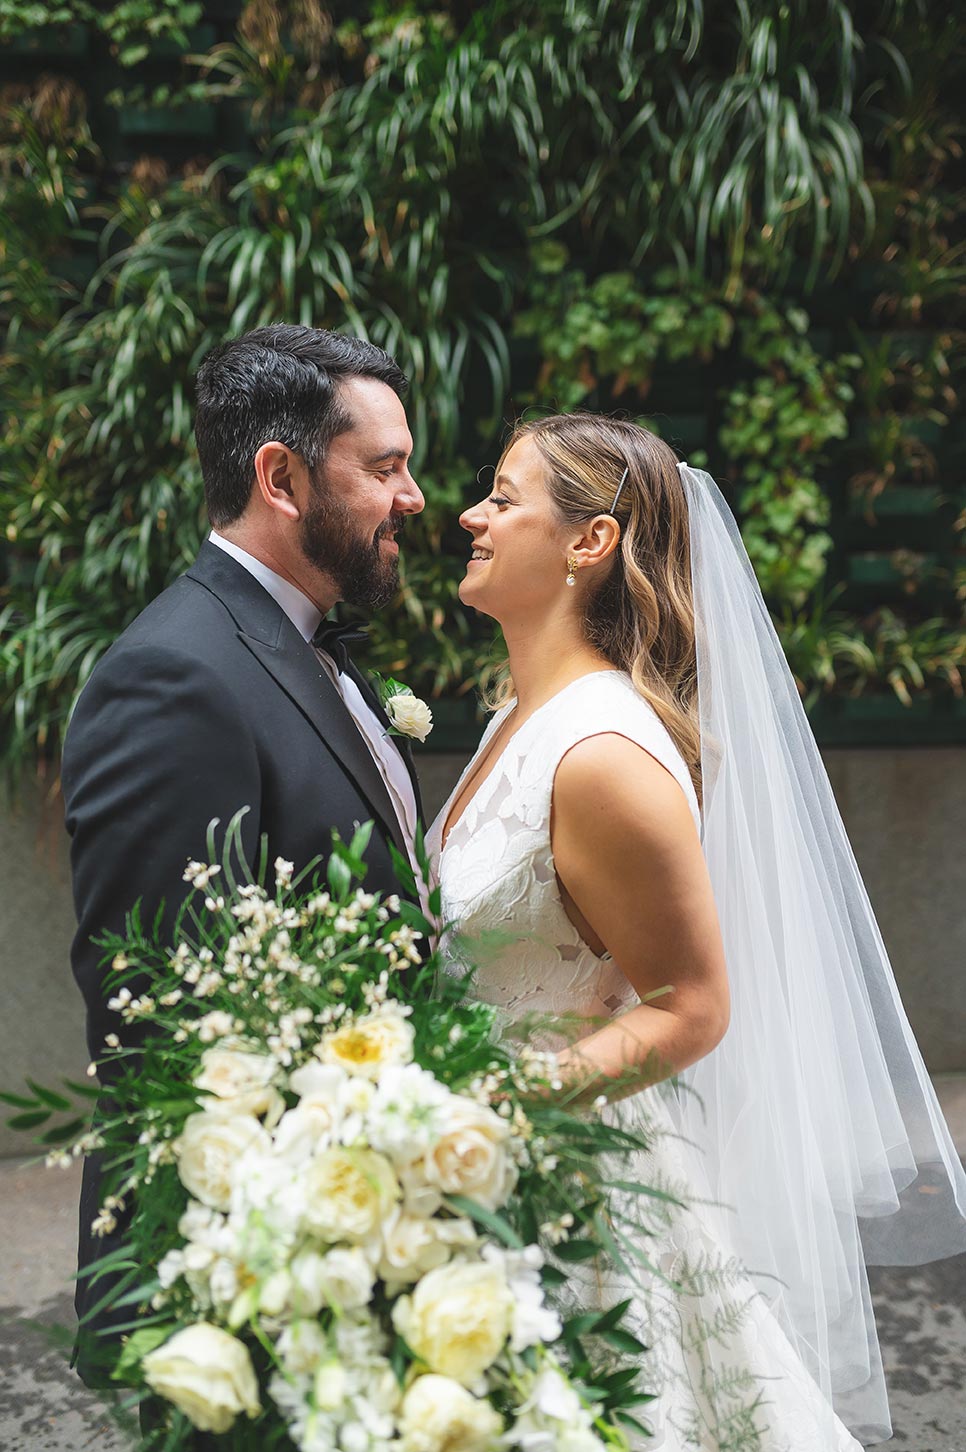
409, 499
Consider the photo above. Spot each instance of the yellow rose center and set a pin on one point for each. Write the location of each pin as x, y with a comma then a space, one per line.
357, 1046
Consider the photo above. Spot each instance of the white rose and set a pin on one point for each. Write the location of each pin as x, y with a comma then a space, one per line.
470, 1156
300, 1133
348, 1192
368, 1044
439, 1415
412, 1245
207, 1374
239, 1076
209, 1149
457, 1319
409, 715
322, 1083
343, 1278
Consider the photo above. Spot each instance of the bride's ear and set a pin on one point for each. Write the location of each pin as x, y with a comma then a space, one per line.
598, 542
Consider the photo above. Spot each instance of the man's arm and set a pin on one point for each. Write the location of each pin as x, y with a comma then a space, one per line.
157, 747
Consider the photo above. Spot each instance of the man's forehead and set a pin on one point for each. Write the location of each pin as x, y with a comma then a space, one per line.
370, 398
371, 404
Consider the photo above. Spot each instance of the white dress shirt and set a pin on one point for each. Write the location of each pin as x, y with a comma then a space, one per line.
306, 617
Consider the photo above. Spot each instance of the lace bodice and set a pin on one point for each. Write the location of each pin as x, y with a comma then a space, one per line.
497, 870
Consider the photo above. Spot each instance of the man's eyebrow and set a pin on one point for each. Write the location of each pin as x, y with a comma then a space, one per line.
506, 482
393, 453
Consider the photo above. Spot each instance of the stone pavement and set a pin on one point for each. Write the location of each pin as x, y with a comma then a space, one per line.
921, 1313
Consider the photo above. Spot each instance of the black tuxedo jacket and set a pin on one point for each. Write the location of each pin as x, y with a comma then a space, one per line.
211, 700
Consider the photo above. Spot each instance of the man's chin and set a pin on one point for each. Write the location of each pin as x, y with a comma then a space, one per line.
375, 592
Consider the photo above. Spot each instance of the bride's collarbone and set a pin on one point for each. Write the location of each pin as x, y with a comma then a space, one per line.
481, 770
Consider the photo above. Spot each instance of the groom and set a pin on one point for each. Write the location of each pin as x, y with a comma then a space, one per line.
225, 692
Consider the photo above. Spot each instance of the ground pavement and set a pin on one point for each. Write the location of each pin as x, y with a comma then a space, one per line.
43, 1408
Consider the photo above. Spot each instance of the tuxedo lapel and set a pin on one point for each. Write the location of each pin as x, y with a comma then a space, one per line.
402, 745
265, 629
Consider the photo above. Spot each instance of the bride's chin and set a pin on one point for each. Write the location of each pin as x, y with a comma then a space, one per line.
471, 597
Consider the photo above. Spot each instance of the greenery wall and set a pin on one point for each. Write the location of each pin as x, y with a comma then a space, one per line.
740, 222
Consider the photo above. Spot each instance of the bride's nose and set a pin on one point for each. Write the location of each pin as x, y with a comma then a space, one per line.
472, 518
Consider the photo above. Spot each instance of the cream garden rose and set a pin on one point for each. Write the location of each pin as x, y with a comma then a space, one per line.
413, 1244
457, 1319
409, 715
470, 1156
241, 1077
439, 1415
349, 1192
368, 1044
207, 1374
209, 1150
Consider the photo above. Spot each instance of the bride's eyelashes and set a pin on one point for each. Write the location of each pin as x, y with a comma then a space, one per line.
499, 501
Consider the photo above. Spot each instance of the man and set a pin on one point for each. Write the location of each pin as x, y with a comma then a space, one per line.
216, 696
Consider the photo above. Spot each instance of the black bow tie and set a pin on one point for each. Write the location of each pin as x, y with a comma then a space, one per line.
334, 639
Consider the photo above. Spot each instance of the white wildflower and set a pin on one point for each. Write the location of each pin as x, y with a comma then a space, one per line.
198, 874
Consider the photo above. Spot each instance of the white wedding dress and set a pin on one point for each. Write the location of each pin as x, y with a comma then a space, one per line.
725, 1374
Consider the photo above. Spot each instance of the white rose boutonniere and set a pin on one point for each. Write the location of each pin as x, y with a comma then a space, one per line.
408, 715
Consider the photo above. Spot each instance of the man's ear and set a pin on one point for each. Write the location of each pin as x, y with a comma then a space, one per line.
277, 478
597, 542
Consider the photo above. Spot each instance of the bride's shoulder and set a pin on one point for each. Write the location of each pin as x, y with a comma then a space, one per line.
608, 697
608, 704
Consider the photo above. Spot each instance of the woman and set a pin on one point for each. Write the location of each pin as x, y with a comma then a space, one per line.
647, 811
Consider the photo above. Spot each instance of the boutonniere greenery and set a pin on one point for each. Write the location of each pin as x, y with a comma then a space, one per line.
408, 715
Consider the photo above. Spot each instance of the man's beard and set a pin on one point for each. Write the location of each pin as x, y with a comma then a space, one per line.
362, 573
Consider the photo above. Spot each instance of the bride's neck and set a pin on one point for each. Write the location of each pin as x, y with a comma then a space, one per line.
545, 657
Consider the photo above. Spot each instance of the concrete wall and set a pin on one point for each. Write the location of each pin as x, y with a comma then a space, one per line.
906, 814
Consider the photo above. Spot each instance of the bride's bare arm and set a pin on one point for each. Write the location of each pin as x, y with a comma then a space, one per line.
635, 884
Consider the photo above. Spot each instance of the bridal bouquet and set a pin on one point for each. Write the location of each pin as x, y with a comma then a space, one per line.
347, 1204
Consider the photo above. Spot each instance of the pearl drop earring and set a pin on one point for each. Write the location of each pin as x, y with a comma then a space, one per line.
572, 564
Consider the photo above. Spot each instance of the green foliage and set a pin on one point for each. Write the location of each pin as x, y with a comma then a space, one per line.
610, 333
131, 26
620, 203
774, 431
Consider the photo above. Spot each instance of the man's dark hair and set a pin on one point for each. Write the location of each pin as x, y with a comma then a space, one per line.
279, 383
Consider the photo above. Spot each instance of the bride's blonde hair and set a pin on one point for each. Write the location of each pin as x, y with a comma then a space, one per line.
642, 616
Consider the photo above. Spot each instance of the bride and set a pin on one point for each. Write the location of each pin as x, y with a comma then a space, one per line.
647, 840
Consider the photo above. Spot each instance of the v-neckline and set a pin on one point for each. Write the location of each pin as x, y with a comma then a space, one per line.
448, 827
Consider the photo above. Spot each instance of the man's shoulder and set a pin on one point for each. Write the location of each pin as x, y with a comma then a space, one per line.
184, 636
184, 617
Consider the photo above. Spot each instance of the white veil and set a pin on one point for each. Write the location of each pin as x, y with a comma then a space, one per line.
819, 1126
